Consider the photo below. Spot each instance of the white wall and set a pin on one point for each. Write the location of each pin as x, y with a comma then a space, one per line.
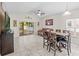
59, 21
22, 17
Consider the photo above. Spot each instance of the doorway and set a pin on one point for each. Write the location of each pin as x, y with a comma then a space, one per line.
73, 26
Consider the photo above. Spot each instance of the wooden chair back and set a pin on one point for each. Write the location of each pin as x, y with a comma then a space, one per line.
58, 30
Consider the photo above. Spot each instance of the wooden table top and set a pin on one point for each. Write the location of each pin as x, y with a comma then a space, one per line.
59, 33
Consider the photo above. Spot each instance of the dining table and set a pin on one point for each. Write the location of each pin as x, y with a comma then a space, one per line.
66, 35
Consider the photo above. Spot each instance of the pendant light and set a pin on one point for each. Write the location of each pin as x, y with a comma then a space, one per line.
67, 12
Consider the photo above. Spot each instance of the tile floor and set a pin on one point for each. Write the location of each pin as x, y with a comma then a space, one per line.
31, 45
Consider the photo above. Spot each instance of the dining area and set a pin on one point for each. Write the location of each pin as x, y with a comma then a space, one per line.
42, 31
56, 40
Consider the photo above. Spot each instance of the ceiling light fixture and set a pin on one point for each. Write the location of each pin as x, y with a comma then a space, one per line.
39, 13
67, 12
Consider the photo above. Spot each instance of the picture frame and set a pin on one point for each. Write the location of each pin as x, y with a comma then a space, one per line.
49, 22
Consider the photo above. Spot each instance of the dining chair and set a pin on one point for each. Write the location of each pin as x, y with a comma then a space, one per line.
40, 32
65, 41
68, 38
58, 30
45, 39
69, 43
52, 43
65, 31
52, 29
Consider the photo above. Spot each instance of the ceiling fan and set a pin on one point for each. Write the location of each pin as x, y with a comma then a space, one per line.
39, 13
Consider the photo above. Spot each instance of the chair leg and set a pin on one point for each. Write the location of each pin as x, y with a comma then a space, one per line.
68, 49
70, 45
47, 44
43, 43
55, 52
49, 48
68, 52
55, 49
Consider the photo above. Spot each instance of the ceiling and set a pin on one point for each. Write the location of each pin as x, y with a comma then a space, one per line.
47, 7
